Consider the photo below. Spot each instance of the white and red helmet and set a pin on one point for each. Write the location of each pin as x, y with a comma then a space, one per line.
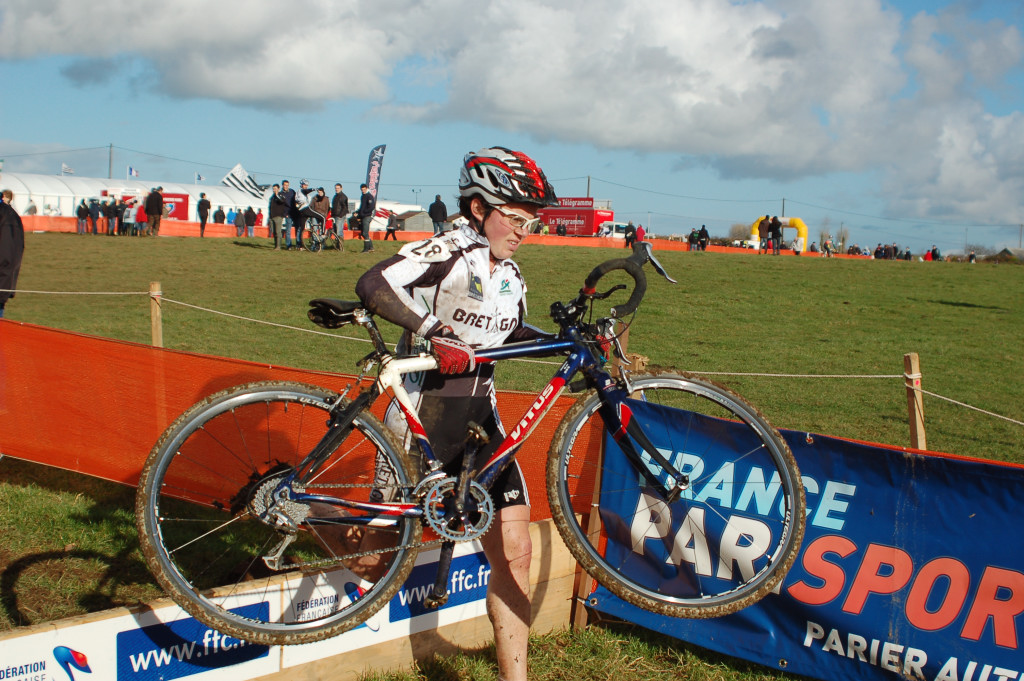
499, 176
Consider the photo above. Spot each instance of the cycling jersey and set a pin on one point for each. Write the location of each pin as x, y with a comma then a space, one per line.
447, 280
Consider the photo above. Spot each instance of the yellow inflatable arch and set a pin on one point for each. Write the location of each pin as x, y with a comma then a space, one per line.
796, 223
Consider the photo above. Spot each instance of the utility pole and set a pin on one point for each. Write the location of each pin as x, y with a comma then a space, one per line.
110, 163
588, 186
783, 207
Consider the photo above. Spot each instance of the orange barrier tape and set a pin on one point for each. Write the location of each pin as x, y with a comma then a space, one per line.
97, 406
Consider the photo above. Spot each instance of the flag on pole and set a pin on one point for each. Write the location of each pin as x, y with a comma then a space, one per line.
199, 178
240, 179
65, 169
373, 168
132, 172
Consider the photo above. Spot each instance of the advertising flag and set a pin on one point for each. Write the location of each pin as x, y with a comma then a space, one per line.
132, 172
238, 178
65, 169
373, 168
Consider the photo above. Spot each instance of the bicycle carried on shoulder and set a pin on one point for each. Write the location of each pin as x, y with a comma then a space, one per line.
671, 491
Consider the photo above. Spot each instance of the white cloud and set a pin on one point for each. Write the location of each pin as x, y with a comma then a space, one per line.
779, 89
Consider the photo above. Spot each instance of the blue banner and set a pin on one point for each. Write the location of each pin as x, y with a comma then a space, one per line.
374, 166
910, 567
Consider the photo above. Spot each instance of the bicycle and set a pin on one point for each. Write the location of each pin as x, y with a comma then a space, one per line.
284, 486
317, 237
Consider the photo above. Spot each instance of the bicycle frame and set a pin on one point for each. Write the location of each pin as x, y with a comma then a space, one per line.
614, 412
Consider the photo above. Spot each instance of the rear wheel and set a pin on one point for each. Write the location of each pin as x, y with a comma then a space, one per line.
724, 544
227, 539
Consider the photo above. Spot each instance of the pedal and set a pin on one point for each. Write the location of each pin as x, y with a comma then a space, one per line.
433, 602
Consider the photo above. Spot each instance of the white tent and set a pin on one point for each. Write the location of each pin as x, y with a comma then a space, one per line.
63, 192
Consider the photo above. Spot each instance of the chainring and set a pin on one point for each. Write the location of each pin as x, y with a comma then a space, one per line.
441, 516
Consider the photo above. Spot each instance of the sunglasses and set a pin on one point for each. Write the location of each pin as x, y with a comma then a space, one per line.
517, 221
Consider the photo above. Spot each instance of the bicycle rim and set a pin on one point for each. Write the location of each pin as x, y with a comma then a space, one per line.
333, 243
208, 481
724, 544
312, 240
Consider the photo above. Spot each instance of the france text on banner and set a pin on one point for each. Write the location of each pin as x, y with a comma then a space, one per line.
910, 567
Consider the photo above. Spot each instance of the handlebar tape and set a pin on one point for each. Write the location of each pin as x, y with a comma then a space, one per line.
634, 270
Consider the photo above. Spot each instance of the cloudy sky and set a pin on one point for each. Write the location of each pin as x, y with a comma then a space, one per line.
898, 121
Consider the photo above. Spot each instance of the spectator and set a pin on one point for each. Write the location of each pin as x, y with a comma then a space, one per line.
339, 210
239, 222
82, 213
630, 234
140, 219
94, 214
259, 217
640, 233
321, 205
119, 207
250, 221
814, 247
703, 238
31, 209
972, 258
300, 212
277, 210
12, 247
218, 215
438, 213
692, 239
367, 209
203, 209
128, 218
392, 226
776, 235
288, 195
154, 211
231, 216
109, 215
764, 228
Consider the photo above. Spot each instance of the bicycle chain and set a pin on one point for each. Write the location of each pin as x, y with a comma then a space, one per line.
348, 556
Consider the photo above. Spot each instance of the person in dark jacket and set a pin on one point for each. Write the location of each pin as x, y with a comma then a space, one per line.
250, 221
12, 247
339, 210
82, 213
203, 209
367, 209
94, 214
438, 213
154, 211
278, 211
218, 215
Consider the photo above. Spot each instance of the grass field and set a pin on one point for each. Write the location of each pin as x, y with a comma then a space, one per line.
69, 544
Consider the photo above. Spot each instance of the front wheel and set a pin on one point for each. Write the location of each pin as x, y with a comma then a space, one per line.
724, 544
313, 238
247, 553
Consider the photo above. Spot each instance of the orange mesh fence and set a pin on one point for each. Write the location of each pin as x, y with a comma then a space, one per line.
97, 406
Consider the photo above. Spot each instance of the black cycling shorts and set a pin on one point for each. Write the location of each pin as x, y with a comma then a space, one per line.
446, 420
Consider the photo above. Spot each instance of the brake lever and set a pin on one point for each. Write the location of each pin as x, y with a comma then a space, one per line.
643, 252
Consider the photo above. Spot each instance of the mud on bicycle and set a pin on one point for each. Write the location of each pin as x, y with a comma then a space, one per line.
671, 491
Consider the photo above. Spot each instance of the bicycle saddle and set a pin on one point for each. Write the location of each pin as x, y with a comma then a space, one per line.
331, 313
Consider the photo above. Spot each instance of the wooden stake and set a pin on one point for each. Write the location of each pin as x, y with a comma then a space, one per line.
155, 316
915, 400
